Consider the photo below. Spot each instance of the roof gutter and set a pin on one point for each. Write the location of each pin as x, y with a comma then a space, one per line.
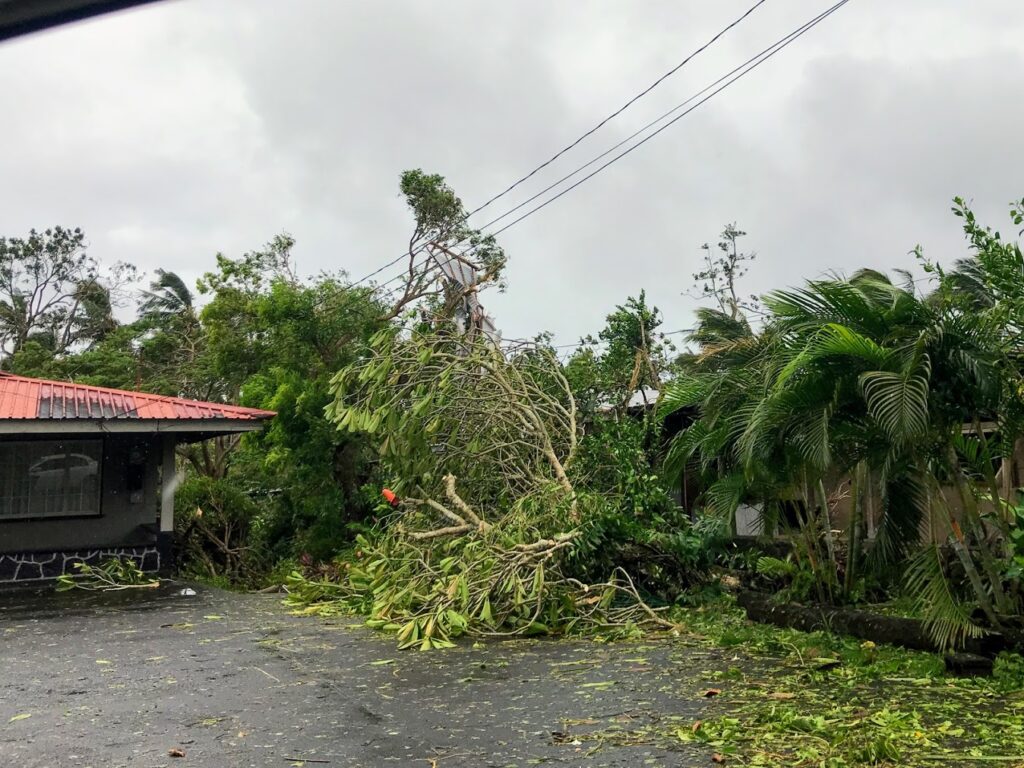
199, 428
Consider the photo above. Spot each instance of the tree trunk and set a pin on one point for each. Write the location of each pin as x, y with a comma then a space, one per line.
853, 529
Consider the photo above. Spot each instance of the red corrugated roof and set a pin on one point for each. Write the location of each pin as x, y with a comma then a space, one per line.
25, 398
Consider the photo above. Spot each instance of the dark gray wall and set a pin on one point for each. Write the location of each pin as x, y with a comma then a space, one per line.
122, 522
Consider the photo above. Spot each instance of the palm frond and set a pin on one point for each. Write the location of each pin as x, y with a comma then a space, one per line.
724, 496
970, 282
907, 277
974, 454
834, 340
811, 439
866, 274
898, 402
827, 301
684, 392
904, 511
714, 326
946, 617
683, 447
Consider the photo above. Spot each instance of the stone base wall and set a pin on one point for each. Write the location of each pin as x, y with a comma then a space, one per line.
39, 566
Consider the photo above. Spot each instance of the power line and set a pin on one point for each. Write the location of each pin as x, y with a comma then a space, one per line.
792, 37
729, 79
597, 127
621, 109
722, 84
639, 131
379, 270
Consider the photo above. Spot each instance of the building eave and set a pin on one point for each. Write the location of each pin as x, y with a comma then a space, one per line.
199, 429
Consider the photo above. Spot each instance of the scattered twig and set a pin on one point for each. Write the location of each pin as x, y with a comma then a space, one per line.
276, 680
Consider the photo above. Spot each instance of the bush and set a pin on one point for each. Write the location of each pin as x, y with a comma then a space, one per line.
216, 524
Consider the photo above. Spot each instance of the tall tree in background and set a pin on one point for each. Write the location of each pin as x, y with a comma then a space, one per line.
51, 292
170, 341
719, 278
271, 339
629, 355
621, 446
167, 298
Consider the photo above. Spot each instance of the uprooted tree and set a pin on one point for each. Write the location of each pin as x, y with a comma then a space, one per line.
481, 445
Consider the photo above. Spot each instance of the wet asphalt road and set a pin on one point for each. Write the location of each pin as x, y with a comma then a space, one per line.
233, 680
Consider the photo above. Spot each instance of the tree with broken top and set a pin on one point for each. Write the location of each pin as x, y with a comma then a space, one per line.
447, 262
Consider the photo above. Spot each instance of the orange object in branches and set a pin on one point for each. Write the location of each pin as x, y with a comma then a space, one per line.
390, 497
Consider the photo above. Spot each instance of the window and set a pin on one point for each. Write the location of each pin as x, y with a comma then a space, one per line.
51, 478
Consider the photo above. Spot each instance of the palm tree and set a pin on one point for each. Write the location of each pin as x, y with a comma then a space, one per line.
171, 340
865, 380
168, 297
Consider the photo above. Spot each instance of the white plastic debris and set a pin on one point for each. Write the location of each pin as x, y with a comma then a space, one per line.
187, 592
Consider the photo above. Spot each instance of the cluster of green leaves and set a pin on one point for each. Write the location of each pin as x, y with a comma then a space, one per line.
793, 577
862, 387
435, 405
639, 527
215, 519
440, 216
275, 342
490, 441
1016, 567
293, 339
629, 355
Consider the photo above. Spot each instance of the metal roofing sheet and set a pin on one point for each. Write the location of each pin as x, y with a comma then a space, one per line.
26, 398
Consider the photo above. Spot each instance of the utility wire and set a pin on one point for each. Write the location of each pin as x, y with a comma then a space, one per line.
646, 127
729, 79
380, 269
715, 88
621, 109
593, 130
792, 37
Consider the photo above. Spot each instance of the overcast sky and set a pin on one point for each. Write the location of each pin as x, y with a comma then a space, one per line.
180, 129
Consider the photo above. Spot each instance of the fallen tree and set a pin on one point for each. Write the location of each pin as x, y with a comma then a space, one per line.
481, 444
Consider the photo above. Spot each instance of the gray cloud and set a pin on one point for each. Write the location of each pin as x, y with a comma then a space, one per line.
180, 129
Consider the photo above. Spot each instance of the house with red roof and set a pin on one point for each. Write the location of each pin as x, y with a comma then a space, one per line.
88, 473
